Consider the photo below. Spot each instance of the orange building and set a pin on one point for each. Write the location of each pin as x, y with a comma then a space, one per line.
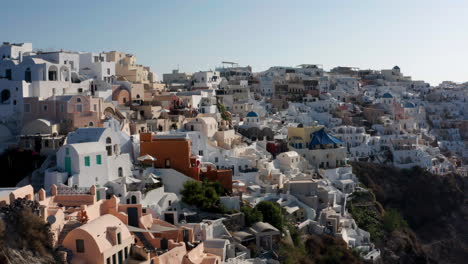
173, 151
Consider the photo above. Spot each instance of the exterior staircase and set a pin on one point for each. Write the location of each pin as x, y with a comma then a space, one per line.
145, 242
67, 228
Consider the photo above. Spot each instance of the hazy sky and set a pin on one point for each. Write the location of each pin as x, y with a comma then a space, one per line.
428, 39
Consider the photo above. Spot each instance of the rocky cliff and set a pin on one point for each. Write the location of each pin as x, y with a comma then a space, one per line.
434, 207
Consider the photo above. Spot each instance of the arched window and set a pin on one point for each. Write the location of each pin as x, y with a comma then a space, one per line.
108, 140
91, 124
53, 73
27, 75
78, 100
120, 172
5, 97
137, 96
134, 199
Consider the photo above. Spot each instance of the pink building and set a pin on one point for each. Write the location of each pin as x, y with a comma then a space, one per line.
69, 111
102, 231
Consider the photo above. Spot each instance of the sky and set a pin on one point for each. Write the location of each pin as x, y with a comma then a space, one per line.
427, 39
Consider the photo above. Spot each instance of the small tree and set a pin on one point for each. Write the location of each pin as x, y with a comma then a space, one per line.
271, 213
393, 221
204, 195
251, 215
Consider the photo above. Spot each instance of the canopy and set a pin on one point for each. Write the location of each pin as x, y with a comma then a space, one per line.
321, 137
151, 180
146, 157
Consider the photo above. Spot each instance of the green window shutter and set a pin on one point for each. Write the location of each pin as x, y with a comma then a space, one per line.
67, 151
98, 159
87, 162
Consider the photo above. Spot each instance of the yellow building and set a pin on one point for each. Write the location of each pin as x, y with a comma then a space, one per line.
323, 151
299, 137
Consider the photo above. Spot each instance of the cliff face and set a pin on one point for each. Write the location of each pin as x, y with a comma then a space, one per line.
435, 208
24, 237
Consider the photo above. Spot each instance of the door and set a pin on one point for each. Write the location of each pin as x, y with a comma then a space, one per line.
68, 165
132, 213
120, 257
169, 217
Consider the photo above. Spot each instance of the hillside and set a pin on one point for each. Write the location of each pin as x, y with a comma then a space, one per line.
433, 206
24, 237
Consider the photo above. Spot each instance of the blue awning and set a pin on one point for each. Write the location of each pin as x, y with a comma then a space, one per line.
321, 137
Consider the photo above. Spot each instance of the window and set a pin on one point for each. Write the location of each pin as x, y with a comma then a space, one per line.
95, 107
120, 172
8, 74
126, 252
108, 140
98, 159
108, 260
27, 75
46, 143
61, 108
5, 96
168, 163
119, 238
200, 152
109, 150
108, 71
114, 259
44, 108
87, 161
27, 108
80, 247
80, 90
78, 100
67, 151
91, 124
79, 108
216, 159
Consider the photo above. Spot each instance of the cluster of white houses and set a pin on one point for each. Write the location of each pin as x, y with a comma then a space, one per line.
284, 135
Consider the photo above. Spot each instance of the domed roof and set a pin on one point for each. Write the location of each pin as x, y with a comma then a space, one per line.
387, 95
252, 114
409, 105
396, 68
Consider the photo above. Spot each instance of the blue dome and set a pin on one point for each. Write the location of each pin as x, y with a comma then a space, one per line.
252, 114
409, 105
387, 95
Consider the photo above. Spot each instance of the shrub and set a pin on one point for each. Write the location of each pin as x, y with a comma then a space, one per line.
271, 213
252, 215
393, 220
204, 195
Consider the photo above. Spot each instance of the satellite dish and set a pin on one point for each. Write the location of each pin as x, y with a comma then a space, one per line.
51, 219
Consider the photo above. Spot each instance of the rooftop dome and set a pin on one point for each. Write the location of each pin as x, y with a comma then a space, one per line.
387, 95
396, 68
252, 114
409, 105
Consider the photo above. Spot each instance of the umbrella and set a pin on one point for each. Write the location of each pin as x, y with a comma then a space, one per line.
129, 179
151, 180
146, 157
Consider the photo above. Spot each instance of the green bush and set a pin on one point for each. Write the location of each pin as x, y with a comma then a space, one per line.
204, 195
251, 215
271, 213
393, 220
368, 220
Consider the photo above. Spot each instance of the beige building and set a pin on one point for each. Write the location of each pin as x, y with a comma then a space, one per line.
207, 125
126, 67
